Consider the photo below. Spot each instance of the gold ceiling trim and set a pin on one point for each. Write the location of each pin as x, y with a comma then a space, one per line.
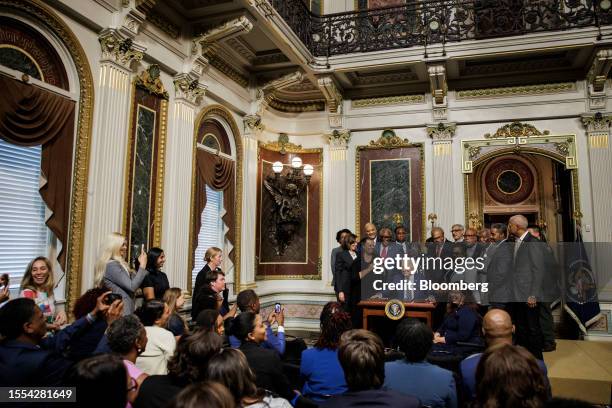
516, 129
36, 10
540, 89
388, 100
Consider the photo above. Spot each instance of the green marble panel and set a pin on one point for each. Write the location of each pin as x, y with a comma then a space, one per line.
390, 199
142, 178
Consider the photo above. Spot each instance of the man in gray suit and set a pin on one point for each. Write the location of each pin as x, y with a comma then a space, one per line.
529, 271
498, 267
386, 248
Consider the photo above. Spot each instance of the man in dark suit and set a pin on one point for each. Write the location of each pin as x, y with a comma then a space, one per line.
27, 357
498, 267
386, 248
362, 357
439, 248
529, 271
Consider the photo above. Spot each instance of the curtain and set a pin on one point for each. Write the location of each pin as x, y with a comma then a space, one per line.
218, 173
30, 116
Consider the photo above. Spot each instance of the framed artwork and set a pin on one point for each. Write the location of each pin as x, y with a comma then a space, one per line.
390, 185
142, 219
289, 218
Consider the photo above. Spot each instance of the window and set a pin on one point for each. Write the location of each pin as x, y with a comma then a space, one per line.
212, 230
23, 233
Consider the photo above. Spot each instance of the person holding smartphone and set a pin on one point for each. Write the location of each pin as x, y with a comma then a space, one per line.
113, 271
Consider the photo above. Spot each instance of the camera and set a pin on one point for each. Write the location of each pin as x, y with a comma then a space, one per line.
111, 297
277, 308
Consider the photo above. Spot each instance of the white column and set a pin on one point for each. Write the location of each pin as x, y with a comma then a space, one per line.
443, 197
252, 126
179, 178
337, 191
108, 146
600, 164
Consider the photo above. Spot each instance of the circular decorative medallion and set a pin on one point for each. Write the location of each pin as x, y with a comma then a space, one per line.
509, 181
394, 309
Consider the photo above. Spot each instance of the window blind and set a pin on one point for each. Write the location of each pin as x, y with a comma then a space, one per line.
23, 233
211, 232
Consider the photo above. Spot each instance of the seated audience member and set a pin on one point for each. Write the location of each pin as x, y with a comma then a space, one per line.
210, 320
186, 367
38, 284
161, 343
113, 271
434, 386
497, 328
231, 368
265, 363
84, 344
155, 284
206, 394
248, 301
362, 357
175, 300
461, 324
27, 357
128, 338
320, 367
509, 376
101, 381
5, 293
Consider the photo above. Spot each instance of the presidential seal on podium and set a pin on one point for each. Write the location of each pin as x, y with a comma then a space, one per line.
394, 309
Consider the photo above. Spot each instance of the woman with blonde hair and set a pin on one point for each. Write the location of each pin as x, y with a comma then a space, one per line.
113, 271
175, 300
38, 284
209, 291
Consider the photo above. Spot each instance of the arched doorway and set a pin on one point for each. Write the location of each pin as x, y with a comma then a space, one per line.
520, 170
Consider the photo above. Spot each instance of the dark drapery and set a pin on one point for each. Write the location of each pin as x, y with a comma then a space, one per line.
30, 116
218, 173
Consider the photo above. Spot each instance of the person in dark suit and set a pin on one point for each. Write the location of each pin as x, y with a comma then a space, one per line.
529, 270
340, 236
362, 357
439, 248
386, 248
265, 363
347, 274
498, 267
209, 291
27, 357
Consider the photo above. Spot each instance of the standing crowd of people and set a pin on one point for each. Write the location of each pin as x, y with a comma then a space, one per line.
121, 354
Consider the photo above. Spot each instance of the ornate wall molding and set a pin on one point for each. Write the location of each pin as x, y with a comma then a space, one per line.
283, 145
600, 69
225, 31
437, 82
120, 50
542, 89
388, 100
160, 21
339, 138
561, 148
441, 131
188, 89
150, 80
46, 17
332, 94
252, 124
265, 94
516, 129
389, 140
597, 128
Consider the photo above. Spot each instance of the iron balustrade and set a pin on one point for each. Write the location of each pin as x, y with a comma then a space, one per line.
419, 23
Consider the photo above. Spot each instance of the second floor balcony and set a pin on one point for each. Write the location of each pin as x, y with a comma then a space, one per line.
420, 23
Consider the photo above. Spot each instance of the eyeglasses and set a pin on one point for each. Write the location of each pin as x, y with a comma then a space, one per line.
456, 230
385, 236
469, 235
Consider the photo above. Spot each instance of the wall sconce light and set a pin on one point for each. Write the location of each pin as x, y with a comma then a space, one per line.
286, 191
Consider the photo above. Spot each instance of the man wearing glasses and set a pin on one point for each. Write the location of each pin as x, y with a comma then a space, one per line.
457, 231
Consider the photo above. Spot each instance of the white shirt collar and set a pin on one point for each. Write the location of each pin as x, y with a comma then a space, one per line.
523, 236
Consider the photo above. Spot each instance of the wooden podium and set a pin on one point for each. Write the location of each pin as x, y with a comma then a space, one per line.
376, 307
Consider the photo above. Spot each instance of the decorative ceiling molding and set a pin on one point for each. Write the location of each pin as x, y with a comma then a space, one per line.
388, 100
373, 78
270, 58
297, 106
145, 6
332, 95
437, 82
476, 68
241, 48
231, 72
265, 94
600, 69
540, 89
230, 29
160, 21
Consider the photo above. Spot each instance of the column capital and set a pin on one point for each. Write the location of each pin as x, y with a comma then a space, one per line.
188, 89
252, 124
339, 139
119, 49
596, 122
442, 132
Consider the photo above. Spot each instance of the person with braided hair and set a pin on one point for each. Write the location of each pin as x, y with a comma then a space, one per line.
320, 367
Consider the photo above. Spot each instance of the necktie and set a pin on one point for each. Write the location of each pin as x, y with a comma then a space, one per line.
383, 253
439, 251
517, 244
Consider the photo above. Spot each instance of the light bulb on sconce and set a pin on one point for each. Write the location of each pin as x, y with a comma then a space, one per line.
277, 167
296, 162
308, 170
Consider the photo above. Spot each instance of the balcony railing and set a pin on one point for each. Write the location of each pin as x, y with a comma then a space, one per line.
436, 21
